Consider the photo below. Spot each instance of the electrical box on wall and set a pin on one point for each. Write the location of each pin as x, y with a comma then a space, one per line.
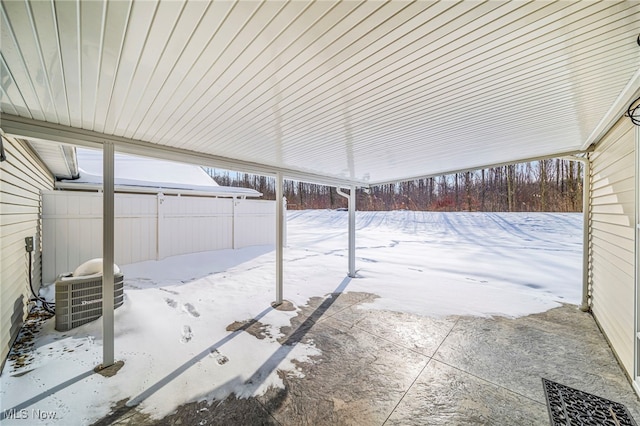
28, 242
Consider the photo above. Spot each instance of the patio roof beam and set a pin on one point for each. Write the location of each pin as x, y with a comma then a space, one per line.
630, 92
41, 131
570, 154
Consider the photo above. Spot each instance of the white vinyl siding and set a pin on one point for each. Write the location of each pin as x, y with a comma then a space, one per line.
148, 227
612, 243
22, 178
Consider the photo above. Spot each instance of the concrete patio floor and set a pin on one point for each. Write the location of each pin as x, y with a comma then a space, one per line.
380, 367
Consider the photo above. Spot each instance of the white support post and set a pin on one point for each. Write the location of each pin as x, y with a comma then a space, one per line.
234, 222
284, 222
636, 305
107, 255
351, 202
160, 226
352, 232
279, 238
586, 233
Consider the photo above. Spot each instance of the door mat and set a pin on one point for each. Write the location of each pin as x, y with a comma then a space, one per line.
569, 406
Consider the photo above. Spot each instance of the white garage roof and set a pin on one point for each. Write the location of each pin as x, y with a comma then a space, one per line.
142, 171
139, 174
360, 92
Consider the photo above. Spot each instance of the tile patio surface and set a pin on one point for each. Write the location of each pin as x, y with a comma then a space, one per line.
382, 367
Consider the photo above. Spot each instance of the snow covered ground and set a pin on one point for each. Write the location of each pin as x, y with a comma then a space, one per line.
172, 330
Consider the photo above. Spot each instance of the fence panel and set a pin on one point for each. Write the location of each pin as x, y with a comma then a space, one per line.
72, 229
147, 227
136, 222
254, 223
193, 224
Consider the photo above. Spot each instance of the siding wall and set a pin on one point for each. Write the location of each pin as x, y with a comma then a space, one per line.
612, 244
22, 177
148, 227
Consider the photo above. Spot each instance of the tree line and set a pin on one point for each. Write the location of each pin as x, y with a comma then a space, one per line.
553, 185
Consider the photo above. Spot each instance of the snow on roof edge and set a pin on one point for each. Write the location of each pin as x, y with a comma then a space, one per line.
217, 191
92, 182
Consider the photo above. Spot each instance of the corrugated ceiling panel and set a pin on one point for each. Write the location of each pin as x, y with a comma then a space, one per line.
68, 37
8, 90
17, 80
132, 75
131, 107
237, 70
368, 91
223, 24
235, 39
113, 34
91, 24
304, 61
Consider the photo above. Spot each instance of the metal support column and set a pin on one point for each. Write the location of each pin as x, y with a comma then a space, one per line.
586, 232
107, 255
279, 238
351, 200
234, 222
352, 232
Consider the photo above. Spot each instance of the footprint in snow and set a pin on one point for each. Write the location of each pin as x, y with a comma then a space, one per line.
187, 334
172, 303
220, 359
191, 310
478, 281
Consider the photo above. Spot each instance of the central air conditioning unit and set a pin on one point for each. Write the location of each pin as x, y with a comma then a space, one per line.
79, 299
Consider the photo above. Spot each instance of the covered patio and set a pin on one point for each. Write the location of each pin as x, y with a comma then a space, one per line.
383, 367
347, 94
461, 330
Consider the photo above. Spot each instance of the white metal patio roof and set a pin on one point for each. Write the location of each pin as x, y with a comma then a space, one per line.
335, 92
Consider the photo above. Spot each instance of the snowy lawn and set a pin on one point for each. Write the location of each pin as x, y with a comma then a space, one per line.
172, 330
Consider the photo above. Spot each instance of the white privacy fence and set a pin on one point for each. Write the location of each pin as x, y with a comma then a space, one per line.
147, 227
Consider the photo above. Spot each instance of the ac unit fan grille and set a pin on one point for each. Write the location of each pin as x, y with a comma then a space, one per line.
79, 300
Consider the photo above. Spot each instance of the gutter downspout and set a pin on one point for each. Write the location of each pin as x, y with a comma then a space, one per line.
351, 198
586, 229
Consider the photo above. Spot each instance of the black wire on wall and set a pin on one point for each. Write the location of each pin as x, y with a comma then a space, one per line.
633, 112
